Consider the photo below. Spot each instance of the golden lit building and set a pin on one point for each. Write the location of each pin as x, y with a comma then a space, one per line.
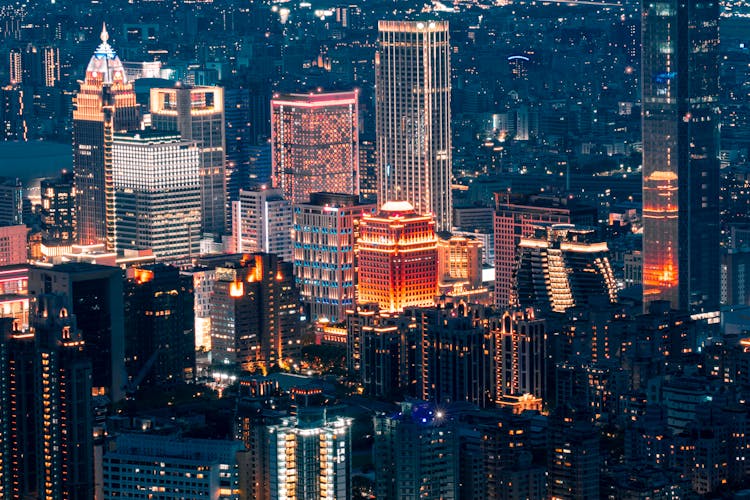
398, 258
460, 268
104, 105
314, 144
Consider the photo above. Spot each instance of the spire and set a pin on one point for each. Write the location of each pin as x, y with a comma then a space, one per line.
104, 36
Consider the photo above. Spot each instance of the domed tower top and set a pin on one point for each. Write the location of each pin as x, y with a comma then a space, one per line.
105, 66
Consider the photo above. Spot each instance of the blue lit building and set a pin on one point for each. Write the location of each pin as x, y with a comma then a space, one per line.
325, 231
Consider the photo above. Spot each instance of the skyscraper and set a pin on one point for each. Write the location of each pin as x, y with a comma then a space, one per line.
412, 99
104, 105
58, 210
197, 113
35, 66
262, 222
680, 90
397, 258
325, 236
314, 144
157, 193
45, 396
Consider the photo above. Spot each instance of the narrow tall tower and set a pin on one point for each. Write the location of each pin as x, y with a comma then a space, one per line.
680, 154
105, 104
413, 119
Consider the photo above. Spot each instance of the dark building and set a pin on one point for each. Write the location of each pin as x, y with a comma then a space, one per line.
680, 90
104, 105
11, 202
254, 311
159, 326
95, 296
45, 386
238, 129
572, 456
58, 210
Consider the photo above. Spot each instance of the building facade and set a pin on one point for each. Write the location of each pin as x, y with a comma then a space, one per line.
397, 258
158, 195
197, 113
315, 144
680, 89
262, 221
413, 119
325, 236
105, 104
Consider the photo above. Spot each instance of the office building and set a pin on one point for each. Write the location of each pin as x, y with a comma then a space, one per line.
262, 221
460, 267
46, 407
563, 266
413, 119
325, 235
238, 128
368, 170
415, 454
58, 209
105, 104
197, 113
159, 326
516, 217
314, 144
397, 258
95, 294
521, 350
254, 312
680, 92
14, 115
175, 467
310, 457
157, 194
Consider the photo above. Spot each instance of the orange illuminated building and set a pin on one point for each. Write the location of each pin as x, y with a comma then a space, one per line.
398, 258
314, 144
661, 215
105, 104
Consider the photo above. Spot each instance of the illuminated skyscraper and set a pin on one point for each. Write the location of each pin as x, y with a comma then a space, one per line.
680, 154
104, 105
325, 233
197, 113
157, 195
45, 400
521, 350
314, 144
35, 66
398, 258
58, 210
413, 119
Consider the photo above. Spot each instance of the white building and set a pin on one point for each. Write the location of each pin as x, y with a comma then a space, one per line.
262, 222
157, 195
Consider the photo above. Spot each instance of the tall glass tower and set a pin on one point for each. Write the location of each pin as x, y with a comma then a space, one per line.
413, 119
680, 154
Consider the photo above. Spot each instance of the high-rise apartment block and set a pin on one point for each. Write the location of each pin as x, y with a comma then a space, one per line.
521, 350
516, 217
563, 266
415, 454
310, 457
157, 193
413, 119
680, 89
159, 321
197, 113
35, 66
45, 402
262, 222
314, 144
95, 294
397, 258
325, 236
254, 312
104, 105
